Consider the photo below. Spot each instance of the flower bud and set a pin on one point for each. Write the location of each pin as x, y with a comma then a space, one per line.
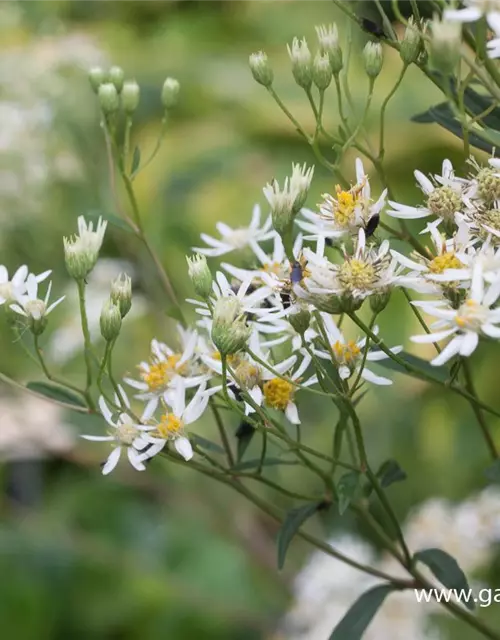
444, 51
373, 59
130, 96
97, 76
380, 300
110, 321
200, 275
261, 69
286, 203
300, 318
230, 332
108, 98
328, 38
301, 62
37, 318
411, 45
82, 251
116, 76
322, 71
170, 93
121, 293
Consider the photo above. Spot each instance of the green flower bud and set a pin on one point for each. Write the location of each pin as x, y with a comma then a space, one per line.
411, 45
110, 321
108, 98
286, 203
300, 319
328, 38
130, 96
116, 76
97, 76
200, 275
121, 293
37, 318
380, 300
301, 62
373, 59
170, 93
230, 332
322, 71
81, 251
444, 50
260, 68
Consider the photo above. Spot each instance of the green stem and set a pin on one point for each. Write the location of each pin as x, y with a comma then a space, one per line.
469, 385
222, 431
87, 346
381, 148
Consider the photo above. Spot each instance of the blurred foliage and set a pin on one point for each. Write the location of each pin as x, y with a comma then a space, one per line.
167, 554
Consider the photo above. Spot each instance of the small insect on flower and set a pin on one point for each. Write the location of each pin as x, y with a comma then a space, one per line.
298, 270
371, 226
373, 28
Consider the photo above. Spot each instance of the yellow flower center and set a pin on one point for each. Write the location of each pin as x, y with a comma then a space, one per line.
344, 208
272, 267
445, 261
278, 393
471, 315
160, 373
356, 274
247, 374
346, 353
169, 426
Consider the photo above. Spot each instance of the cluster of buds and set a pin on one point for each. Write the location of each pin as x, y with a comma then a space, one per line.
116, 307
306, 69
114, 92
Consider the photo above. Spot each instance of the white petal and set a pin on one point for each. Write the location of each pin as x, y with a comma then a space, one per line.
428, 338
291, 412
108, 416
371, 377
112, 461
135, 459
451, 349
469, 343
98, 438
424, 182
184, 448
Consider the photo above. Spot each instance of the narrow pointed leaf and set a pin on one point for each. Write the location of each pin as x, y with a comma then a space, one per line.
440, 373
293, 521
389, 473
268, 462
56, 392
356, 620
347, 489
446, 570
206, 444
136, 160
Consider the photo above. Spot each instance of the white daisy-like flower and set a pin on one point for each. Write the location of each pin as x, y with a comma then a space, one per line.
474, 318
168, 368
347, 211
234, 239
171, 425
284, 331
474, 10
30, 306
349, 353
444, 196
11, 289
126, 433
369, 271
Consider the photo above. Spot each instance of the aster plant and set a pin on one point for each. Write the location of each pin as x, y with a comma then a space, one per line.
302, 316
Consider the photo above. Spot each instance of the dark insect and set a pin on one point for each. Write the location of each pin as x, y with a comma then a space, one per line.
373, 28
296, 272
329, 242
372, 225
286, 300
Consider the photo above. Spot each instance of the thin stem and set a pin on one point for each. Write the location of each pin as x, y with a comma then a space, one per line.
381, 148
469, 385
110, 370
222, 430
86, 333
262, 453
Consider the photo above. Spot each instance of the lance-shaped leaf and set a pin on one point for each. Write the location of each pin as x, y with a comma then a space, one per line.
347, 489
293, 521
446, 570
440, 373
56, 392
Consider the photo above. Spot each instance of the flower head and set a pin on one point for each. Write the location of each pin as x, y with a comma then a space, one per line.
33, 308
82, 250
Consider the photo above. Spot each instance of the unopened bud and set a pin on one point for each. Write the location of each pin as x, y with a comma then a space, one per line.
322, 71
411, 45
108, 98
230, 332
328, 38
131, 94
81, 251
200, 275
110, 321
300, 318
373, 59
380, 300
170, 93
116, 75
444, 50
261, 69
97, 76
301, 62
121, 293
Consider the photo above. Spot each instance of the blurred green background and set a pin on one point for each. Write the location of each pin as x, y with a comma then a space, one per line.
166, 553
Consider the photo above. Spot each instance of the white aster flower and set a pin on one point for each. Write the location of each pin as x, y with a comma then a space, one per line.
125, 433
82, 250
12, 289
232, 239
171, 425
444, 197
474, 10
33, 308
286, 202
347, 211
349, 353
474, 318
168, 368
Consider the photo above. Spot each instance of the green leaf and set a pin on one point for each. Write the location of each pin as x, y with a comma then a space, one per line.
493, 472
293, 521
111, 218
206, 444
446, 570
56, 392
136, 160
268, 462
347, 488
389, 473
244, 435
440, 373
356, 620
